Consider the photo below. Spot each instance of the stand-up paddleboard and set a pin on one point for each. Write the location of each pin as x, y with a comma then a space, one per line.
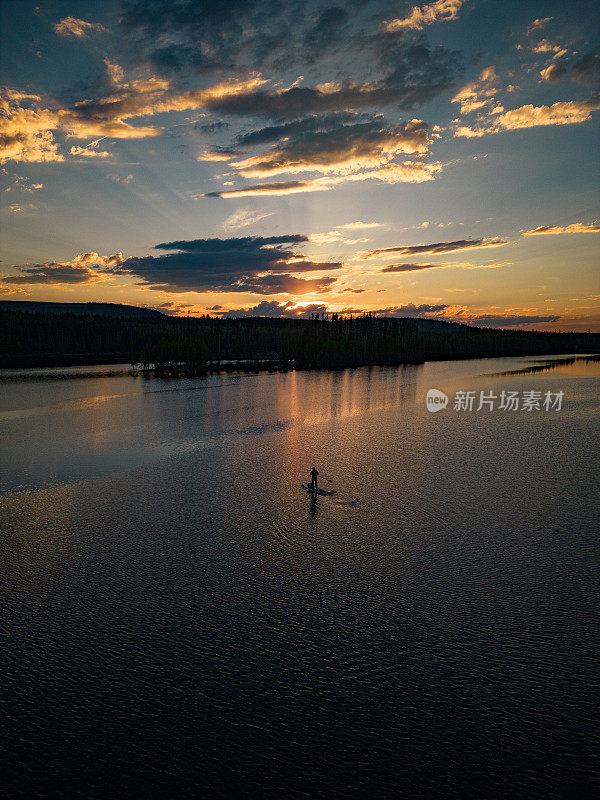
310, 488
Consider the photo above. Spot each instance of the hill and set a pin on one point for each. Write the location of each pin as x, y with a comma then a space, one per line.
193, 344
97, 309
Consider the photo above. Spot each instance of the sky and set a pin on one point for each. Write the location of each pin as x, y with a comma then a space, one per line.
264, 157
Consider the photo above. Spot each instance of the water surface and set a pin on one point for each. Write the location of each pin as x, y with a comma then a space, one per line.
181, 620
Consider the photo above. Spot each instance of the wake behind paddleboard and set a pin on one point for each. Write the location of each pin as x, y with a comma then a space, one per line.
312, 489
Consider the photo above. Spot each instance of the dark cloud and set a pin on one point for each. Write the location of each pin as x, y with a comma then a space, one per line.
511, 319
53, 273
411, 310
288, 309
294, 129
272, 308
554, 72
212, 127
328, 30
438, 247
301, 100
335, 146
409, 267
233, 245
174, 57
209, 35
206, 34
280, 187
247, 35
284, 284
587, 68
261, 265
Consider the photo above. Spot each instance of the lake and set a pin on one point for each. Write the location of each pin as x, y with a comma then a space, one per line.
182, 620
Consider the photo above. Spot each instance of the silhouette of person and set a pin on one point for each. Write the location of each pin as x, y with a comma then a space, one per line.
313, 477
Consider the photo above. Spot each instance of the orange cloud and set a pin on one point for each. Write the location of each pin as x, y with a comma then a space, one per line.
574, 227
88, 152
552, 72
84, 268
261, 189
406, 172
562, 113
345, 149
442, 10
477, 94
436, 248
71, 26
26, 134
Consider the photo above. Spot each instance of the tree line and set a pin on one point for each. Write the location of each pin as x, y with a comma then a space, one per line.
172, 345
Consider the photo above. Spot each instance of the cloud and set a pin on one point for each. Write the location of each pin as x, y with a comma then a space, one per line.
438, 247
417, 267
420, 16
553, 72
544, 46
217, 155
406, 172
71, 26
478, 94
415, 75
105, 116
53, 273
284, 284
25, 133
5, 291
500, 321
114, 73
77, 271
338, 148
408, 310
244, 217
587, 68
562, 113
334, 235
574, 227
121, 178
537, 24
273, 308
88, 152
21, 182
337, 145
284, 187
295, 129
409, 267
358, 225
256, 264
300, 100
328, 30
191, 37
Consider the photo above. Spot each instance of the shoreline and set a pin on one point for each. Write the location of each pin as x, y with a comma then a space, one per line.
244, 367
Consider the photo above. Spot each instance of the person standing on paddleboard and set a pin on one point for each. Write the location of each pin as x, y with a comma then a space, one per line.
313, 477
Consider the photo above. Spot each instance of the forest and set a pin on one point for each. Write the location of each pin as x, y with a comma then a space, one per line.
195, 345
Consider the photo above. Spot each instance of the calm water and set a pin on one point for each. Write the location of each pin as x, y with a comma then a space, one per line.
181, 620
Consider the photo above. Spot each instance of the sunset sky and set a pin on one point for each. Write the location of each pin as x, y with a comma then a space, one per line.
272, 157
